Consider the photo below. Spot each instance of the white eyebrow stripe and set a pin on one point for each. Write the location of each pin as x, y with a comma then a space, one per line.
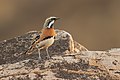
51, 23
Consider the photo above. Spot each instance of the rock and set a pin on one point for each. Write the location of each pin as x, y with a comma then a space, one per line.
57, 68
78, 47
13, 50
69, 60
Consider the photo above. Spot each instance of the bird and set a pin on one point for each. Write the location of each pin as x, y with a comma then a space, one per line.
46, 38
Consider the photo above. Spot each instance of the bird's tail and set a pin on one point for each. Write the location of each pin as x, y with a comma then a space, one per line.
30, 49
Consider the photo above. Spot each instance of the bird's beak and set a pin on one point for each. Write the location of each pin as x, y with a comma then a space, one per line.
57, 18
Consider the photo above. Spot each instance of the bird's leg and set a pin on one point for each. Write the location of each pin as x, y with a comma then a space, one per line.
47, 53
39, 54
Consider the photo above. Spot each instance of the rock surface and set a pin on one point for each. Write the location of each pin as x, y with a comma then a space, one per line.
69, 60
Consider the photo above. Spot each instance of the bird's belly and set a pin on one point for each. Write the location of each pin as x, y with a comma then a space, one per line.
45, 43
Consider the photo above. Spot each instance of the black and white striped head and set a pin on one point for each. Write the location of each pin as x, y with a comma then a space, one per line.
49, 22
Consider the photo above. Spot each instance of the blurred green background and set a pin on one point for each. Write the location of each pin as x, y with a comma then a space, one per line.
93, 23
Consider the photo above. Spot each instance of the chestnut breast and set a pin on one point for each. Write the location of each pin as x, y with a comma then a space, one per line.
47, 32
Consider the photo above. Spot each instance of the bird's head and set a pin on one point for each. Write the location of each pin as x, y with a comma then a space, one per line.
49, 22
